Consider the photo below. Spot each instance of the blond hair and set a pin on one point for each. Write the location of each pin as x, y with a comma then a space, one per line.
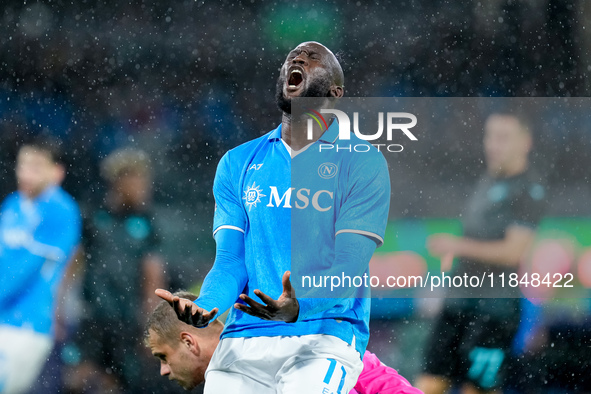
125, 161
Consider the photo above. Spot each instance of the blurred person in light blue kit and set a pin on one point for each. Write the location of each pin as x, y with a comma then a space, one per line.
40, 229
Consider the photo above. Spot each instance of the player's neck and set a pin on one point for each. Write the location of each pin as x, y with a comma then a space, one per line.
517, 168
35, 193
297, 137
117, 203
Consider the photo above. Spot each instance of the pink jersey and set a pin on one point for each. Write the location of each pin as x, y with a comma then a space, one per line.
377, 378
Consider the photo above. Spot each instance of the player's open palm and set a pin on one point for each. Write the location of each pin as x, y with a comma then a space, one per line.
286, 308
186, 310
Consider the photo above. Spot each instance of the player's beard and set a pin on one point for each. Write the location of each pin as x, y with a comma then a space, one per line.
318, 87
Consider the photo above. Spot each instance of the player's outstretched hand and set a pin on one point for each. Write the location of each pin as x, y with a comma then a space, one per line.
186, 310
286, 308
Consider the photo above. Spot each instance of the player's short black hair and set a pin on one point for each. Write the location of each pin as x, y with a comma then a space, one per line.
342, 61
164, 321
337, 69
48, 144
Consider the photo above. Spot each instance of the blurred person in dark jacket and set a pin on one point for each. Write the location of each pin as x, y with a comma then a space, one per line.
122, 265
472, 339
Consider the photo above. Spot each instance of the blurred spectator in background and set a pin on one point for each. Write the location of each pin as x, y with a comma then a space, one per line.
472, 338
122, 265
39, 230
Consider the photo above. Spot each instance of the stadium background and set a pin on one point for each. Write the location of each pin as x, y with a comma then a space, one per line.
187, 80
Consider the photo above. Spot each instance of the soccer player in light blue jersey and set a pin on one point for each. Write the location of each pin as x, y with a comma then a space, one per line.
282, 206
39, 231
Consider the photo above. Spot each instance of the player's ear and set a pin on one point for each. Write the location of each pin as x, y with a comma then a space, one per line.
190, 342
59, 174
528, 143
337, 91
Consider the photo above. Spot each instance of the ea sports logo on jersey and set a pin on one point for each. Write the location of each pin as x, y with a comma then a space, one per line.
327, 170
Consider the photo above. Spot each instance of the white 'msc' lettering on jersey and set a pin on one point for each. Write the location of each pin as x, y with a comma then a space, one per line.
304, 197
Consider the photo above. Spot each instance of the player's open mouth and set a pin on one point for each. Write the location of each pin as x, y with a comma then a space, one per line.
295, 78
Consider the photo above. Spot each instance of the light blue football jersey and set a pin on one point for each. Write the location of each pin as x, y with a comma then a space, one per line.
290, 211
37, 239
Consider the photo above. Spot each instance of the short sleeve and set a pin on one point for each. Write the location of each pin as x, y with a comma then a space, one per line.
60, 228
529, 206
365, 207
229, 211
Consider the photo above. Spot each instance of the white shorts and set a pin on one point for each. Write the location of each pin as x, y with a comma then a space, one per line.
23, 353
310, 364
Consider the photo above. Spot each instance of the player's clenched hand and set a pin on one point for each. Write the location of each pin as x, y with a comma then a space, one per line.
186, 310
286, 308
442, 244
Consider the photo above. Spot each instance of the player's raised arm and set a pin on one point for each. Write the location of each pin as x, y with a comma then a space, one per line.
222, 285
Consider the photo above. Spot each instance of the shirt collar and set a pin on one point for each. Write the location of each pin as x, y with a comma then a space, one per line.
43, 196
275, 135
331, 134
